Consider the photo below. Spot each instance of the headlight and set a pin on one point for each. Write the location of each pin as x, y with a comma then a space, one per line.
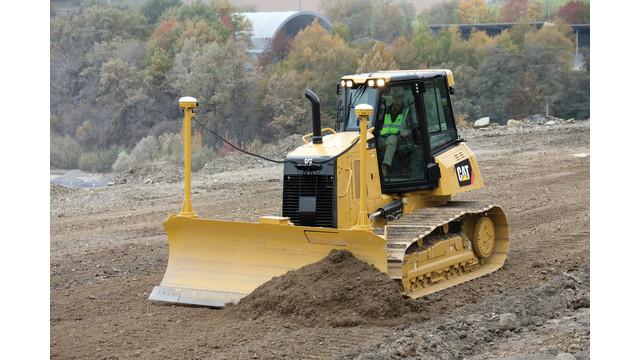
380, 82
342, 83
370, 82
349, 83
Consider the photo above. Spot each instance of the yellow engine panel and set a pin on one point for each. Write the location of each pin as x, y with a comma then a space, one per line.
466, 172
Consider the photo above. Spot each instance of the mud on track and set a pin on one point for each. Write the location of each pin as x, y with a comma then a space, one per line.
108, 250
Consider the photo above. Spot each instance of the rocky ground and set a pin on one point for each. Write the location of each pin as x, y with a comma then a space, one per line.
108, 250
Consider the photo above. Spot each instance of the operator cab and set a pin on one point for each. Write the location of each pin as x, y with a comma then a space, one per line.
413, 120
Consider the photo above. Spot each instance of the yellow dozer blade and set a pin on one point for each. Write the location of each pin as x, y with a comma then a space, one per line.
213, 262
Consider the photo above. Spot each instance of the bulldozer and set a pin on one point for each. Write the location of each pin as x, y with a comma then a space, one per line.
380, 185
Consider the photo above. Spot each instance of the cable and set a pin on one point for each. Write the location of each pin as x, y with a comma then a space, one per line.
268, 159
238, 148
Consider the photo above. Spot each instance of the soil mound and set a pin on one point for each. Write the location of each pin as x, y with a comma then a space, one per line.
338, 291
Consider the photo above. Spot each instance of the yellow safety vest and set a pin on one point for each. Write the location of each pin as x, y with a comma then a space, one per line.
393, 127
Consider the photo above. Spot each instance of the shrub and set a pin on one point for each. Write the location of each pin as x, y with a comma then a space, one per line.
199, 159
64, 153
146, 149
98, 161
167, 147
171, 147
122, 163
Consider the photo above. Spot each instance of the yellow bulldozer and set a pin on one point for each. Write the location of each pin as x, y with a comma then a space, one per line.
379, 185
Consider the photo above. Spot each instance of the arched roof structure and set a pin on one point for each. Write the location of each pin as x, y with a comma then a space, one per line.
289, 23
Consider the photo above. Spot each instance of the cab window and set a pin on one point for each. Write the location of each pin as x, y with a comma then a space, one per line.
357, 96
398, 137
440, 121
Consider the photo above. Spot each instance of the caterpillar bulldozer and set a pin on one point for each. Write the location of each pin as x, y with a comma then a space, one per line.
379, 185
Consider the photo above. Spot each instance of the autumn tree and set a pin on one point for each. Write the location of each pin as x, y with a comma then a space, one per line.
521, 11
378, 58
474, 12
317, 61
403, 53
276, 49
574, 12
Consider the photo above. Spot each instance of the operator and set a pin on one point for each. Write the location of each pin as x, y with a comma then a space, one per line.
395, 127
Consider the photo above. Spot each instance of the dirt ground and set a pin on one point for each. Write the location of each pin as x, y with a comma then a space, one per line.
108, 250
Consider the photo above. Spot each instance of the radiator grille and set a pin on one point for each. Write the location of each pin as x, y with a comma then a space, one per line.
320, 186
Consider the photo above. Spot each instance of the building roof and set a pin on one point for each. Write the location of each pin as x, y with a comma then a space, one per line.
267, 24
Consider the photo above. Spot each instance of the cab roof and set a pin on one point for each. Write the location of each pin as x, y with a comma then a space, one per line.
400, 75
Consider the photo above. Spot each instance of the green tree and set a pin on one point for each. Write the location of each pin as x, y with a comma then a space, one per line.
493, 84
547, 57
423, 42
382, 20
444, 12
123, 96
158, 65
153, 9
216, 74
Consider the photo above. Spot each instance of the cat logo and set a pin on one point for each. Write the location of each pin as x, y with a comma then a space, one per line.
463, 170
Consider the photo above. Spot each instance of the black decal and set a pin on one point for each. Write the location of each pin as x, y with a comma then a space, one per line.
464, 173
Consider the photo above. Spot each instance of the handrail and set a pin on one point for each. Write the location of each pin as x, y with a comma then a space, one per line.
346, 190
306, 137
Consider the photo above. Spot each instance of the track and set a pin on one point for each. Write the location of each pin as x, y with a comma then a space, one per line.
430, 249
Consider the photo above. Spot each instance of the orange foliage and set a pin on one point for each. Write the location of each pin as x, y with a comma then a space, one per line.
164, 33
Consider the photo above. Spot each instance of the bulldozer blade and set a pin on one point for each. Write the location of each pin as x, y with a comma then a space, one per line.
214, 262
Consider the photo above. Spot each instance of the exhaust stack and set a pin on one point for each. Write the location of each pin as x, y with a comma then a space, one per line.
315, 115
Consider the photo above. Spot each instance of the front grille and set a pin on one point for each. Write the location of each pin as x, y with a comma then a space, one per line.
320, 186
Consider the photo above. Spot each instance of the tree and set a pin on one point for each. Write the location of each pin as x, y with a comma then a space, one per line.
382, 20
521, 11
379, 58
548, 55
75, 37
123, 96
276, 49
403, 53
497, 75
216, 74
158, 66
423, 41
444, 12
153, 9
435, 51
474, 12
574, 12
317, 61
